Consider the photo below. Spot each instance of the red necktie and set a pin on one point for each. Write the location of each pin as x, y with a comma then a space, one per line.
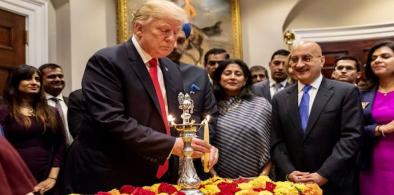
153, 75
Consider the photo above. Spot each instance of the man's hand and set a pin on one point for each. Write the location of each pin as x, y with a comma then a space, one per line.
316, 178
199, 148
298, 176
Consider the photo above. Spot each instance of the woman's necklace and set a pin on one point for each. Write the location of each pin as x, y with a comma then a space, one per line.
385, 91
27, 111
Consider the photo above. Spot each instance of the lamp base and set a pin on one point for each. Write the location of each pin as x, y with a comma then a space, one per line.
192, 192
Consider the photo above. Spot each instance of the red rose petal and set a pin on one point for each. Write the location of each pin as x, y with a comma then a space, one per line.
166, 188
127, 189
270, 186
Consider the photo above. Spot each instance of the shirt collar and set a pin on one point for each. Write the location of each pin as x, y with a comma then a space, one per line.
49, 96
315, 84
272, 83
144, 55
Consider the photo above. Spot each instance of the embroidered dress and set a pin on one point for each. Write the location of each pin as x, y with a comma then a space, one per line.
242, 136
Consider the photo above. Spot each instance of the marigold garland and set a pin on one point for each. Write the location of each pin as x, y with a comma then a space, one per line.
261, 185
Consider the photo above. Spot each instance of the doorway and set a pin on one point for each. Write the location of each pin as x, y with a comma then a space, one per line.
12, 44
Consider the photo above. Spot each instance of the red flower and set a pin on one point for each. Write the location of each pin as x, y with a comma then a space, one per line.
227, 188
103, 193
127, 189
166, 188
258, 189
180, 193
270, 186
241, 180
142, 191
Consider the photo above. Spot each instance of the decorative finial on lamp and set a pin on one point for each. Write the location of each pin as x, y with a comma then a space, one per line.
288, 37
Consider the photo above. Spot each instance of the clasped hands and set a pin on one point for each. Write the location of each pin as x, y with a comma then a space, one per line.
306, 177
199, 148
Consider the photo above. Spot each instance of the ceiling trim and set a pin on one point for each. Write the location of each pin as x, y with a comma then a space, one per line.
333, 34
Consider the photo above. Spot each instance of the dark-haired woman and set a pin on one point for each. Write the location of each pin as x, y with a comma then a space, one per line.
32, 127
378, 104
243, 125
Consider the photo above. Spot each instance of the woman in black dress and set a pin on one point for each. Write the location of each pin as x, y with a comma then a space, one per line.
32, 127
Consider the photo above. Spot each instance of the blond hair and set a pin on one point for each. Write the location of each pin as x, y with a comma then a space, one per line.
161, 9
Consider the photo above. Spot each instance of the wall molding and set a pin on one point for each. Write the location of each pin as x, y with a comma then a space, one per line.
347, 33
36, 13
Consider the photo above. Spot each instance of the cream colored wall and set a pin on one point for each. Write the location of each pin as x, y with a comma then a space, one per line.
334, 13
82, 28
262, 23
89, 32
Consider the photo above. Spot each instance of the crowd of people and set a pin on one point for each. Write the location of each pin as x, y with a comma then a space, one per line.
293, 124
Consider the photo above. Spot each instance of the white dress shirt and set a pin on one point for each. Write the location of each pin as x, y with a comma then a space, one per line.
146, 58
312, 92
64, 110
272, 87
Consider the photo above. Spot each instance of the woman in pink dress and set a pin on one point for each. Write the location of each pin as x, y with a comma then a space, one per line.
377, 159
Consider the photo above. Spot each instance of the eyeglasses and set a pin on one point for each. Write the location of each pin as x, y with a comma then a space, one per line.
304, 58
347, 68
213, 62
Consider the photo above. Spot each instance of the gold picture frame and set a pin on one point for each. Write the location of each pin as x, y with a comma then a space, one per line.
124, 14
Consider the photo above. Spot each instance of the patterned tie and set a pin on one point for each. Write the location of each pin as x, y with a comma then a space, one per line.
59, 109
277, 87
304, 107
153, 74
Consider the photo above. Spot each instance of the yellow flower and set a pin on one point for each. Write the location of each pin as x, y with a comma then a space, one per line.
114, 192
246, 192
154, 188
245, 186
210, 189
265, 193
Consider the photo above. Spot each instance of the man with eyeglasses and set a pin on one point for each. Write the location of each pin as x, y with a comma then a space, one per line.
278, 79
196, 83
317, 125
347, 69
212, 59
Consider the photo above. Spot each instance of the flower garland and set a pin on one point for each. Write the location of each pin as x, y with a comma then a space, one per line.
261, 185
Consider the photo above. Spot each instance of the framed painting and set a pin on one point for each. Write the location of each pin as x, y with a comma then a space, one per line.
216, 23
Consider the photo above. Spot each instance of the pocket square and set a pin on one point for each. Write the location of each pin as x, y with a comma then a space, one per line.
194, 88
364, 104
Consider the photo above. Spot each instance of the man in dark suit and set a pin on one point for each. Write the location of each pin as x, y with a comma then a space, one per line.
347, 69
278, 80
128, 92
316, 126
196, 83
75, 112
53, 84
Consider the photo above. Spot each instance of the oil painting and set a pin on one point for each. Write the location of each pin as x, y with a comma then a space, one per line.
216, 23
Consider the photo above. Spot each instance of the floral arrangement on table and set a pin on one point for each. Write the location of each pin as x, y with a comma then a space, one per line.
261, 185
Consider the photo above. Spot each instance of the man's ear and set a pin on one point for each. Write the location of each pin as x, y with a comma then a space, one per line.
358, 75
138, 29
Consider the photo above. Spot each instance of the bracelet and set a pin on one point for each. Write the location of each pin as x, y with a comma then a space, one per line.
54, 178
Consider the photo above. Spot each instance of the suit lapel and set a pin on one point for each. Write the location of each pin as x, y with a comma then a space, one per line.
323, 95
172, 97
293, 109
267, 91
142, 73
